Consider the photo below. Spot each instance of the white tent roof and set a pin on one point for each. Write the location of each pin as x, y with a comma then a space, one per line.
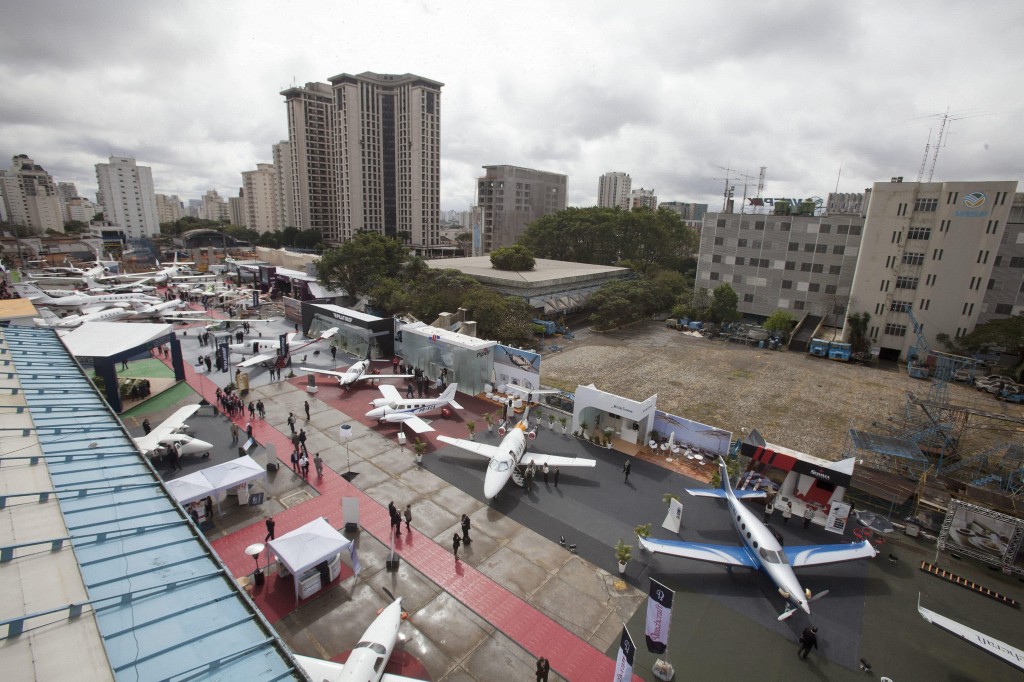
306, 546
190, 488
104, 339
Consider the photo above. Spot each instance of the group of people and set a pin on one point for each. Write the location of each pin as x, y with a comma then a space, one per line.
397, 517
230, 403
464, 539
530, 473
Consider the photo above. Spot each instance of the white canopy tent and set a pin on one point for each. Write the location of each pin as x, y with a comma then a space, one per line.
190, 488
305, 547
216, 480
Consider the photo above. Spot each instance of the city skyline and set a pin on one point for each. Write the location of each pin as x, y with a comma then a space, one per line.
670, 95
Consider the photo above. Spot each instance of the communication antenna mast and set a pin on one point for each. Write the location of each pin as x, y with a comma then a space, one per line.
938, 143
760, 181
924, 160
725, 192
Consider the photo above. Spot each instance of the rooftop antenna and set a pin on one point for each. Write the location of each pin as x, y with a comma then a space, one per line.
760, 181
924, 160
839, 175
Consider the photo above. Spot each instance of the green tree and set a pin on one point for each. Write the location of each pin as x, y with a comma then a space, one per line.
858, 325
620, 302
438, 291
75, 227
503, 318
667, 288
357, 264
780, 321
516, 258
724, 302
465, 242
1006, 333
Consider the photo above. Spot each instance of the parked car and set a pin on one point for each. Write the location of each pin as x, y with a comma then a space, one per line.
964, 375
993, 383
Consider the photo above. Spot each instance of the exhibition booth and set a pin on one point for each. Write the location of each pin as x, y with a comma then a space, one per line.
311, 554
215, 482
356, 330
469, 360
630, 420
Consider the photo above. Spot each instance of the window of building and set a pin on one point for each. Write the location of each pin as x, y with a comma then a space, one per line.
1004, 308
755, 244
825, 228
895, 329
838, 249
818, 267
805, 267
1017, 262
900, 306
821, 248
748, 298
842, 229
926, 205
794, 246
759, 225
937, 254
798, 305
787, 284
784, 227
720, 222
814, 287
714, 276
906, 282
834, 269
790, 265
830, 288
855, 230
919, 233
716, 258
719, 241
740, 260
913, 258
742, 243
762, 262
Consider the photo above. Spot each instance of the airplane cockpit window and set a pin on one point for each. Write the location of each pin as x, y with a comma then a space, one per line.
499, 464
770, 555
373, 646
378, 663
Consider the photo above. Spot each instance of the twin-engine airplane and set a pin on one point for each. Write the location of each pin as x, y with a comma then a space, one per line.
368, 659
511, 453
172, 432
760, 549
267, 350
395, 409
356, 373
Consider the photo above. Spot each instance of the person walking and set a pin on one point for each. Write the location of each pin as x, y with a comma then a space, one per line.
545, 472
543, 668
304, 465
334, 353
302, 441
808, 639
175, 458
146, 427
291, 422
295, 460
261, 408
234, 433
248, 430
252, 410
787, 512
769, 507
556, 476
456, 541
465, 529
408, 518
808, 515
625, 470
318, 462
305, 406
410, 390
270, 528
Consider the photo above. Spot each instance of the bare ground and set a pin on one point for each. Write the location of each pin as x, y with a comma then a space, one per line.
795, 400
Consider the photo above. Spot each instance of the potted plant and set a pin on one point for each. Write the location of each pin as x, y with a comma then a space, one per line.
563, 421
642, 531
471, 427
551, 422
623, 553
489, 418
419, 447
583, 429
608, 436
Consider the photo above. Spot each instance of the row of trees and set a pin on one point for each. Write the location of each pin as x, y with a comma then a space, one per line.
288, 237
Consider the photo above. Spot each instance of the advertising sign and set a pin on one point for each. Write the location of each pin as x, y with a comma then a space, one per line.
659, 617
624, 659
983, 534
517, 367
838, 516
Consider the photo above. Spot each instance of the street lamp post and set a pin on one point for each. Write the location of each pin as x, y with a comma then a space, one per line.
345, 434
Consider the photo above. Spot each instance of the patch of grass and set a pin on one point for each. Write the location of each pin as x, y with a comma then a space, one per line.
741, 374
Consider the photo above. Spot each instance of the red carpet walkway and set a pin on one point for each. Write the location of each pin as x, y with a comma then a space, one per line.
570, 656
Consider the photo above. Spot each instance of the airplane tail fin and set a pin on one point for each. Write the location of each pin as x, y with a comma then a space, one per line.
32, 292
723, 473
449, 395
48, 319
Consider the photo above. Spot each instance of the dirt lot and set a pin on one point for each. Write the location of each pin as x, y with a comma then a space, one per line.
794, 400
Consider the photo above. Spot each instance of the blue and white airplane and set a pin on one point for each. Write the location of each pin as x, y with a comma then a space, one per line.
395, 409
760, 549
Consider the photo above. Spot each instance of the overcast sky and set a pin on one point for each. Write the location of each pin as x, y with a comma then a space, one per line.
668, 92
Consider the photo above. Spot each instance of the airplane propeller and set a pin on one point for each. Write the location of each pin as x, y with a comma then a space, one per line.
790, 610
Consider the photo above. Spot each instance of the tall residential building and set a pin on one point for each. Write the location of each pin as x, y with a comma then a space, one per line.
365, 155
236, 209
283, 179
511, 198
613, 190
1004, 295
67, 191
30, 197
126, 192
690, 211
643, 198
928, 250
259, 189
214, 207
169, 208
81, 209
195, 208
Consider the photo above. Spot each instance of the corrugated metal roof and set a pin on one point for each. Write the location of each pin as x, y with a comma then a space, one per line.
165, 606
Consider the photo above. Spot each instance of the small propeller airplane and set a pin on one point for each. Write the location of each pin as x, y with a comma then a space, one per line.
395, 409
510, 454
370, 656
172, 432
760, 549
267, 350
356, 373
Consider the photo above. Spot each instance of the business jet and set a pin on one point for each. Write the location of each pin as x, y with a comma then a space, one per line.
356, 373
157, 309
394, 409
267, 350
510, 454
93, 286
84, 302
48, 319
760, 549
172, 432
368, 659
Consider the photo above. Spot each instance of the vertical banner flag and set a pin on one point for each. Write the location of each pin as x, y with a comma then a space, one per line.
624, 661
255, 298
674, 516
354, 557
282, 351
659, 616
223, 352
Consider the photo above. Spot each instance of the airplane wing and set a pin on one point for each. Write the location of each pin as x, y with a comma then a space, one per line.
389, 392
482, 449
817, 555
990, 645
339, 375
718, 492
257, 359
328, 671
329, 333
410, 420
174, 422
730, 555
555, 460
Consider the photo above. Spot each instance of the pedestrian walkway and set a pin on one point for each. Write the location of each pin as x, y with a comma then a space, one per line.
571, 657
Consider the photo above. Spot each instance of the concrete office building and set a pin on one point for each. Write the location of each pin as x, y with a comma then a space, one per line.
613, 190
688, 211
1004, 293
800, 264
126, 192
169, 208
928, 250
283, 181
81, 210
214, 207
511, 198
30, 197
259, 189
195, 208
67, 191
236, 209
365, 155
643, 198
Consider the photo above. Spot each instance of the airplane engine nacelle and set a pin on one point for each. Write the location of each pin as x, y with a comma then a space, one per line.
501, 430
532, 434
785, 593
807, 593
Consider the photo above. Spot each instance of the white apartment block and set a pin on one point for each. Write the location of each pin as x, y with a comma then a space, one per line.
510, 198
613, 190
215, 207
259, 191
1005, 294
81, 210
928, 251
236, 209
365, 155
30, 197
643, 198
126, 192
67, 191
282, 152
169, 208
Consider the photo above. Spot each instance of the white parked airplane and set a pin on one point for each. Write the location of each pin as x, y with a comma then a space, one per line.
264, 350
172, 432
48, 319
395, 409
357, 372
157, 309
760, 549
78, 300
511, 453
96, 287
370, 656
